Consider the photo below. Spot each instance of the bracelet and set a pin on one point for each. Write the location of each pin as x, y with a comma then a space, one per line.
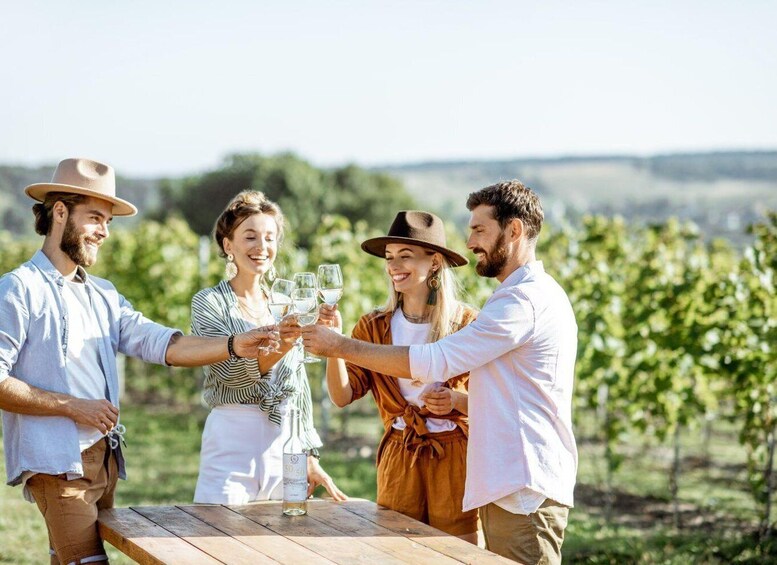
313, 452
231, 349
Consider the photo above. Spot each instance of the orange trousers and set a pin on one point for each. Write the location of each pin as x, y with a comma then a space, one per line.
427, 483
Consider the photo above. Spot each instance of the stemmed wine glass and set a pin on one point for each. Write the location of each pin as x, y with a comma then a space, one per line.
305, 304
306, 281
279, 300
330, 283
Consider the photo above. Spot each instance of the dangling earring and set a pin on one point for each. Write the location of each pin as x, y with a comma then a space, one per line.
433, 283
230, 269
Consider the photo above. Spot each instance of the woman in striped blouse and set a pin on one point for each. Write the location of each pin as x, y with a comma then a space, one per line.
242, 443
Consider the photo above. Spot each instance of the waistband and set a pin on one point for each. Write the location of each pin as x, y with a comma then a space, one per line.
451, 436
234, 408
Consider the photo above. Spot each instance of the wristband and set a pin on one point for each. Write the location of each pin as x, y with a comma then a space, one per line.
231, 349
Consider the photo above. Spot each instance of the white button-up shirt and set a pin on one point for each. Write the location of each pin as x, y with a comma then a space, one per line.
520, 353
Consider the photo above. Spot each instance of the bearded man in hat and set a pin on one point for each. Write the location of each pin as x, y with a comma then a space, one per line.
520, 353
60, 332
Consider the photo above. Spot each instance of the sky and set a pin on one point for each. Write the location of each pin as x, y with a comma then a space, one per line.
170, 88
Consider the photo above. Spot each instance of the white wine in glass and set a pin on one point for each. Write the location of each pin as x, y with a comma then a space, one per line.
330, 283
280, 298
279, 302
306, 308
280, 307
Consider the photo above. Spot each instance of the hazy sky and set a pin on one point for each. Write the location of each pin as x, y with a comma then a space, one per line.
166, 87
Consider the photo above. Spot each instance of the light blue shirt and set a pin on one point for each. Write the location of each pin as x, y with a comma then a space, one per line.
33, 349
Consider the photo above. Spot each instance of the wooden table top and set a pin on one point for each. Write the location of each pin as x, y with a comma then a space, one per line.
356, 531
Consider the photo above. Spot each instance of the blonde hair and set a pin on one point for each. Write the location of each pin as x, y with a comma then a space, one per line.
244, 205
445, 315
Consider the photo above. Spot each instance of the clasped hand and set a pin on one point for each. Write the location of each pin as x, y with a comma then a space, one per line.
439, 400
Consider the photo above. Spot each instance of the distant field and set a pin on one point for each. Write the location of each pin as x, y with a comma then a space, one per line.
723, 204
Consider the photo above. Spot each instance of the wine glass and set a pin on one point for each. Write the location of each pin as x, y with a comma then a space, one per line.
306, 307
330, 283
305, 280
279, 300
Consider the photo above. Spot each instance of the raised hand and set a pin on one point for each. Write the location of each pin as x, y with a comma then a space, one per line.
289, 329
248, 344
330, 316
321, 340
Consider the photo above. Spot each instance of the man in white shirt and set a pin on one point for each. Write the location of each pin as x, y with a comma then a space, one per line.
520, 352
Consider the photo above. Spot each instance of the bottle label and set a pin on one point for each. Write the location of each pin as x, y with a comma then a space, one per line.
295, 477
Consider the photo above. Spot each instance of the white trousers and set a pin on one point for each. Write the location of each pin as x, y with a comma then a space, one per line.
241, 459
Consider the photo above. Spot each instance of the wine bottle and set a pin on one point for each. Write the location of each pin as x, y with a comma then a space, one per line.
295, 471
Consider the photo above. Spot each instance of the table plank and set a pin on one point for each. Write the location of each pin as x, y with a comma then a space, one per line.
316, 536
254, 535
401, 547
146, 542
203, 536
422, 533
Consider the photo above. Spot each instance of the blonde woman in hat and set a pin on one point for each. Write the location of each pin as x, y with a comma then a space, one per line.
60, 332
421, 457
242, 443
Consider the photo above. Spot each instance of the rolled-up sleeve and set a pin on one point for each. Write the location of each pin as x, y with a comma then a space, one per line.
505, 322
14, 320
142, 338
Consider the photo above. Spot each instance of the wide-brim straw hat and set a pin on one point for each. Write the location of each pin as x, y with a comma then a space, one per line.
87, 177
416, 228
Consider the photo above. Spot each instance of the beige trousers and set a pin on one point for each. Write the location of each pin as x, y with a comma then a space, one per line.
533, 539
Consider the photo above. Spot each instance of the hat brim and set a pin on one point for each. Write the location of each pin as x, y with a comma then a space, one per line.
39, 191
377, 247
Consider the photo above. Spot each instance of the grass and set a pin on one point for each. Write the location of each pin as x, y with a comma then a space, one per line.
718, 516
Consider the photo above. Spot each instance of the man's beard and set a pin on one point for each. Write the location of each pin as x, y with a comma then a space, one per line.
494, 260
73, 246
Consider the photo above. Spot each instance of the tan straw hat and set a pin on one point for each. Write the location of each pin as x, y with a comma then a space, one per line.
87, 177
416, 228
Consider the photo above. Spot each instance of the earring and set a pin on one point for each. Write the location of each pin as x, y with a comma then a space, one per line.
230, 269
271, 275
433, 283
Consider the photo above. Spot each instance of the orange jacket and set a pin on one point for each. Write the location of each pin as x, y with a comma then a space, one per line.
375, 327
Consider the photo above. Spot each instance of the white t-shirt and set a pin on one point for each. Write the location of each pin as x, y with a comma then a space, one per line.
83, 355
407, 333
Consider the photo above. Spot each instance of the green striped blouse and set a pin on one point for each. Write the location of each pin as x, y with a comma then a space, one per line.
215, 313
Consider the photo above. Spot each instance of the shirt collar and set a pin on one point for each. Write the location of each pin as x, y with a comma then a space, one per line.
529, 270
51, 272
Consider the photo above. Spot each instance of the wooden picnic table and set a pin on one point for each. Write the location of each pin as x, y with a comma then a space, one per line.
356, 531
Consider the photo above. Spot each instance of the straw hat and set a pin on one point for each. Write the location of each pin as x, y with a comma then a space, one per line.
416, 228
87, 177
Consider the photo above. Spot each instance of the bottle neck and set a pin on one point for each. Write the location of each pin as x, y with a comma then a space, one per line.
294, 413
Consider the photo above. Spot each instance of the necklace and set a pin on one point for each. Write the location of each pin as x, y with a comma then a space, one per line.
251, 312
422, 319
